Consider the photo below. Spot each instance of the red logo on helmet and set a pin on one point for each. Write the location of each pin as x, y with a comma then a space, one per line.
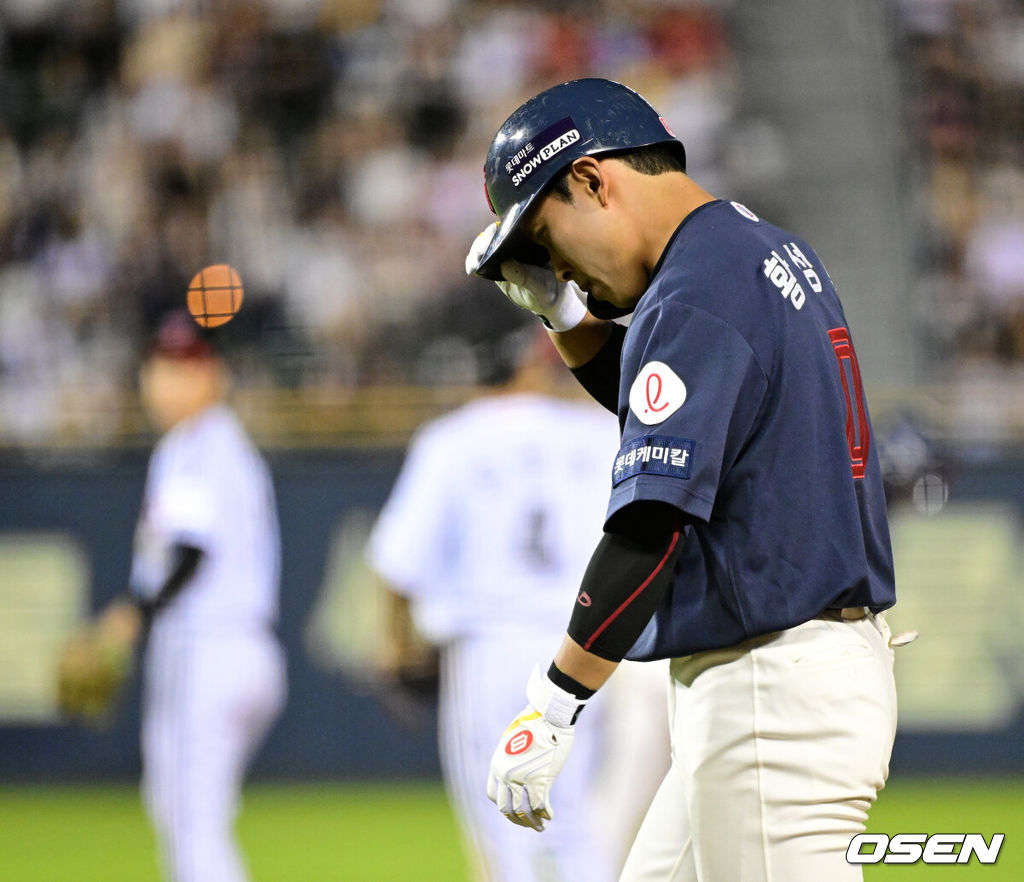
487, 195
519, 742
584, 599
666, 125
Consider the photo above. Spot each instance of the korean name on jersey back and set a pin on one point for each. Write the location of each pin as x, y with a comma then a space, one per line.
778, 270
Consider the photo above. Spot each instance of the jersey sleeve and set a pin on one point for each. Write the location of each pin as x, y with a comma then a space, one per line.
405, 544
188, 510
694, 390
179, 508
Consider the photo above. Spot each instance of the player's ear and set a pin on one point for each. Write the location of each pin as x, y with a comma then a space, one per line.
589, 175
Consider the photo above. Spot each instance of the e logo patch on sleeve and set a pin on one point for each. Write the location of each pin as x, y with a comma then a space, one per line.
653, 455
656, 393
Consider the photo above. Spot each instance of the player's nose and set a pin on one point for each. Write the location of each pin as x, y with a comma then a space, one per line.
562, 270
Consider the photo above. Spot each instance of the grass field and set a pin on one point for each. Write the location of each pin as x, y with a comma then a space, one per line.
405, 832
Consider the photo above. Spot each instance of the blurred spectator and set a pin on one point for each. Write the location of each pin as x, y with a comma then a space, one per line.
330, 150
966, 70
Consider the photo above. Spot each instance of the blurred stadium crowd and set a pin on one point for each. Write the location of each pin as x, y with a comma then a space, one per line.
966, 88
332, 151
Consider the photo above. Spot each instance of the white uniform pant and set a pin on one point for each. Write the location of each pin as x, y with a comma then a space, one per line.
483, 687
634, 753
209, 701
779, 747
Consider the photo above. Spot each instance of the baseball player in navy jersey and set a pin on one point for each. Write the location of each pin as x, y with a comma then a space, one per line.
486, 534
204, 584
746, 535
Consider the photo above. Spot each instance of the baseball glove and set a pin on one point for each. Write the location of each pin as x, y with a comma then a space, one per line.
91, 670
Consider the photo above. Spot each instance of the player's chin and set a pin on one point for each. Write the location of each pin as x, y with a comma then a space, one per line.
620, 298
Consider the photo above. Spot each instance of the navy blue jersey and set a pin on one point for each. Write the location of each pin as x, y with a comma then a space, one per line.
740, 403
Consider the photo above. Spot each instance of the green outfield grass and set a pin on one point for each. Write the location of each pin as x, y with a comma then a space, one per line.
952, 805
406, 833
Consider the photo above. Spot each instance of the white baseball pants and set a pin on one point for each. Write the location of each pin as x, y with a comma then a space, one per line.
780, 745
209, 701
633, 753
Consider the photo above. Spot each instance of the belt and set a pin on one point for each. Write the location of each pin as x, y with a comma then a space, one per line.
848, 613
856, 613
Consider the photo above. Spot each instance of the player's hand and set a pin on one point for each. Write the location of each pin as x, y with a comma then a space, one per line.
531, 753
560, 305
91, 671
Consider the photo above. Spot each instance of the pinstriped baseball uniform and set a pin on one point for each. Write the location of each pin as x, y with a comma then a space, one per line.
488, 531
214, 672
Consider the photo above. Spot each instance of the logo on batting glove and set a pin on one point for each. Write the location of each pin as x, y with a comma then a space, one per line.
520, 742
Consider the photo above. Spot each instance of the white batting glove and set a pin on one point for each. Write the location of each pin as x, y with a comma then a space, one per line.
560, 305
531, 753
479, 247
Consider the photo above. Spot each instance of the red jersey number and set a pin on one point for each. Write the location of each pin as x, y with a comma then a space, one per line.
858, 431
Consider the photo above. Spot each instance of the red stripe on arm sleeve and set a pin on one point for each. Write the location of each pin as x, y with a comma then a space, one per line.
636, 593
628, 578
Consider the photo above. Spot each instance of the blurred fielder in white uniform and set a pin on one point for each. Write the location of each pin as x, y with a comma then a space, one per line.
205, 581
487, 533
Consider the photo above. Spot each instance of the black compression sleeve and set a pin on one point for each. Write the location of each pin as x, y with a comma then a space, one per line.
186, 562
600, 375
625, 582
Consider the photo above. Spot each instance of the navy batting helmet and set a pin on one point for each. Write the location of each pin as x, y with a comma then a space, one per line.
579, 118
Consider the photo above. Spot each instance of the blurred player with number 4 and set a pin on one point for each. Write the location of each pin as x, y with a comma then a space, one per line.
204, 584
485, 537
746, 537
